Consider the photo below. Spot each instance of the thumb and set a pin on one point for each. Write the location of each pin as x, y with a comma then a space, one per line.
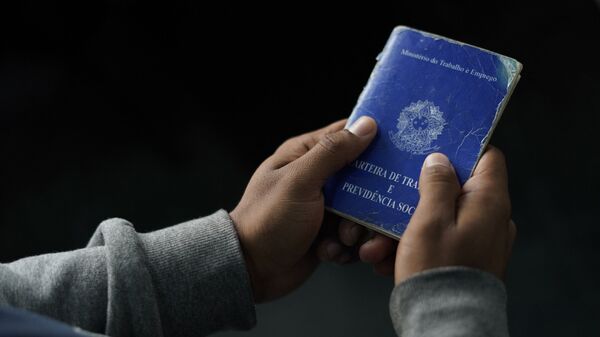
438, 189
335, 150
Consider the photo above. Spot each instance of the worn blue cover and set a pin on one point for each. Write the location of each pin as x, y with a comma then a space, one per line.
427, 94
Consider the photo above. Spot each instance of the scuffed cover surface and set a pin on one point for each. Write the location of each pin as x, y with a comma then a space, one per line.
427, 94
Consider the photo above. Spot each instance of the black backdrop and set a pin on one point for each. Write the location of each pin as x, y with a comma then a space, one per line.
159, 113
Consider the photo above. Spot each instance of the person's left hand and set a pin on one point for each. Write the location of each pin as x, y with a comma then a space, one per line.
282, 209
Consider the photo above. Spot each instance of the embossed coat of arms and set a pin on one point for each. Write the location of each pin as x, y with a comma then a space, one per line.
419, 125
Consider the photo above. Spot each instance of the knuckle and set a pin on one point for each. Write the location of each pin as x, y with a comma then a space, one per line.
496, 160
305, 140
268, 164
497, 154
282, 148
330, 142
439, 174
290, 142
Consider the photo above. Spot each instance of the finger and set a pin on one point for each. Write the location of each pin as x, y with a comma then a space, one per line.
438, 190
492, 162
350, 232
377, 249
386, 267
485, 194
329, 250
332, 152
296, 147
490, 170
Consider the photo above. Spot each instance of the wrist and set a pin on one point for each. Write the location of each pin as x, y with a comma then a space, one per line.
251, 268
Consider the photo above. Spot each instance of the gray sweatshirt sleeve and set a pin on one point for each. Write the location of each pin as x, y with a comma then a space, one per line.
450, 301
185, 280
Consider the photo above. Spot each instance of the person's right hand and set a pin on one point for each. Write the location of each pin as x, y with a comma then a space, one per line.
454, 226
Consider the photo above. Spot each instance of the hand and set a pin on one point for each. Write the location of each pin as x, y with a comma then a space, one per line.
348, 238
459, 227
282, 209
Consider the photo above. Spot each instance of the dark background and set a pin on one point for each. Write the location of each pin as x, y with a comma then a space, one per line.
159, 113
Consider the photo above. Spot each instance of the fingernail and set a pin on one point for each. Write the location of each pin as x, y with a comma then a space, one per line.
437, 159
364, 126
333, 250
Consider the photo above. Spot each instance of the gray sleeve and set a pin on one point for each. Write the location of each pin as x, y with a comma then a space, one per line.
450, 301
185, 280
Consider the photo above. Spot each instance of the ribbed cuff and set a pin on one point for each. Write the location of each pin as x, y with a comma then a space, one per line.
450, 301
200, 277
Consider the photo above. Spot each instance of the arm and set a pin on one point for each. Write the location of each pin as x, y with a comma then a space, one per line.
281, 212
454, 253
450, 301
191, 279
184, 280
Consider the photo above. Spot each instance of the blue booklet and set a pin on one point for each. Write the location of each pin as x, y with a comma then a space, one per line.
428, 94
